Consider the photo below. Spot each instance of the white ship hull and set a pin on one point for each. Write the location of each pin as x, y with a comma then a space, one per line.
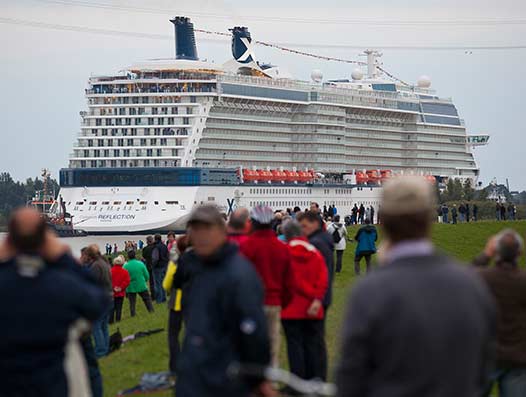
112, 210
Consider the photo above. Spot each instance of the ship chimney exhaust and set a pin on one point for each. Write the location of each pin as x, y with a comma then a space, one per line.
242, 45
185, 47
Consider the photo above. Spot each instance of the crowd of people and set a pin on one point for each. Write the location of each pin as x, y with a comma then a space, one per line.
418, 325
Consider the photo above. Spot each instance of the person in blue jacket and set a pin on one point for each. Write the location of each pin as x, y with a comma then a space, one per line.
366, 239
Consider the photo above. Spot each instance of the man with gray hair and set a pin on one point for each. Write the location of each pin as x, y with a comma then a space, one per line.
421, 324
238, 226
507, 282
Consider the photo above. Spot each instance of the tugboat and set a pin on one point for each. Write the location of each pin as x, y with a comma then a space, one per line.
54, 212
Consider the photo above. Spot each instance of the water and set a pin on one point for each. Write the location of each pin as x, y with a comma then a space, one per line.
77, 243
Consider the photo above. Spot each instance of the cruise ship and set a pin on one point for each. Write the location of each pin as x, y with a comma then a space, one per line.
162, 136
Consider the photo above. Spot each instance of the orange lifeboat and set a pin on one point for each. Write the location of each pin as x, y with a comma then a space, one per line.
264, 176
304, 176
386, 174
279, 176
250, 175
361, 178
291, 176
373, 176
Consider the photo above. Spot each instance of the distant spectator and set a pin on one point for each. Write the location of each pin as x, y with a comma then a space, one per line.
502, 212
468, 212
372, 215
45, 297
507, 282
361, 214
454, 214
138, 278
445, 213
160, 258
421, 325
170, 240
366, 238
238, 226
147, 259
497, 211
338, 231
354, 215
475, 212
120, 279
271, 260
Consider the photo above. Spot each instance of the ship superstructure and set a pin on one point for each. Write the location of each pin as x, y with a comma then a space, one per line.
168, 114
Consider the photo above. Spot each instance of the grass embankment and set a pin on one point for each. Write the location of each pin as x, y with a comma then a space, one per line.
124, 368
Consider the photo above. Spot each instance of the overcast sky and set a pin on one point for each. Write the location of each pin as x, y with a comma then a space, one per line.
44, 72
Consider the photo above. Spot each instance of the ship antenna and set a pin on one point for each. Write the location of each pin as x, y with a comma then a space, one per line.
372, 63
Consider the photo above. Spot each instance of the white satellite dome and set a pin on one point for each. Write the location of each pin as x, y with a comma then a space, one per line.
357, 74
424, 81
316, 75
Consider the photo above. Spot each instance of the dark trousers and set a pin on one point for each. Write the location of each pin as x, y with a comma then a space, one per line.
306, 348
146, 298
117, 309
175, 323
357, 260
158, 277
95, 377
339, 259
151, 281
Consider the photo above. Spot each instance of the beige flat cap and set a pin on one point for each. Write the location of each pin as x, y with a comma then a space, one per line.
404, 195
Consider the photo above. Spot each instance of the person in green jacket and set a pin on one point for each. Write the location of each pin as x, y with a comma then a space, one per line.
139, 276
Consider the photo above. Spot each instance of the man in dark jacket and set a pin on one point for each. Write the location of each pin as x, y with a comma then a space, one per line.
160, 259
421, 325
361, 214
323, 241
147, 258
507, 282
223, 306
43, 294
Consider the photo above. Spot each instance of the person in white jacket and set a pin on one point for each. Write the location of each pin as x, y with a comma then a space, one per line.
338, 231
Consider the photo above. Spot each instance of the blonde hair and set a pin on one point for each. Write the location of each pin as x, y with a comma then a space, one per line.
119, 260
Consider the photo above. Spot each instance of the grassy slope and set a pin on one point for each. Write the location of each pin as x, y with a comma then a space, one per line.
124, 368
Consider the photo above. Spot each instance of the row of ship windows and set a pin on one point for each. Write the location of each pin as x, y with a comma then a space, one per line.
135, 131
140, 121
125, 163
116, 205
303, 203
122, 111
124, 100
295, 191
134, 142
129, 153
139, 88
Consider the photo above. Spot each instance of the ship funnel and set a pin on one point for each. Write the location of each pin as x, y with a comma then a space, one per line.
184, 39
242, 50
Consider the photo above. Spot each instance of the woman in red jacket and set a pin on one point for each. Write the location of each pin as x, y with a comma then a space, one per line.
302, 318
120, 279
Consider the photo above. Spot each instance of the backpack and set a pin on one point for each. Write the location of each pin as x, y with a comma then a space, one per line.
336, 237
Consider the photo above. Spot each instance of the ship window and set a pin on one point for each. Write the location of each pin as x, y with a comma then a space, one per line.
143, 202
105, 203
80, 203
172, 202
211, 198
116, 203
92, 203
129, 202
156, 202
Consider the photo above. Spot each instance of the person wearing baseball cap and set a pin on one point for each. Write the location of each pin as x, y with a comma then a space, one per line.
420, 324
271, 260
223, 312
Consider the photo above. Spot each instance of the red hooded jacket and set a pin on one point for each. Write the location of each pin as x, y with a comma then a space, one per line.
120, 278
271, 260
309, 280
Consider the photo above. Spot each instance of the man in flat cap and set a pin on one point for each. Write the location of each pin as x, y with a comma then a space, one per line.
421, 325
223, 312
